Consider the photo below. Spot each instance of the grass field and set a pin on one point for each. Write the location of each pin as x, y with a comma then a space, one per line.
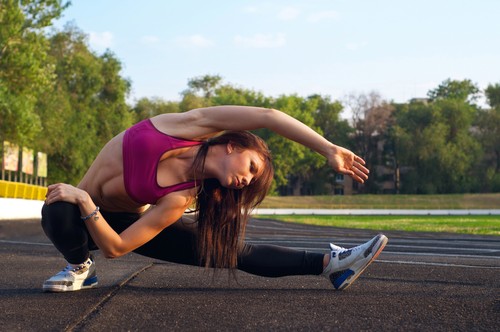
484, 225
480, 225
456, 201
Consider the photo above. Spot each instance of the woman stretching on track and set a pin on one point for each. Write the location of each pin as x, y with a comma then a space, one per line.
134, 195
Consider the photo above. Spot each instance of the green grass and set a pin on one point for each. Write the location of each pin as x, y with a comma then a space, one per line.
483, 225
455, 201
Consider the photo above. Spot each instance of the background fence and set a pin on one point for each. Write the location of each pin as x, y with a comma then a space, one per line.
10, 189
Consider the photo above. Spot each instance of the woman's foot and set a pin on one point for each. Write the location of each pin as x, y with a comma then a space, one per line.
346, 265
73, 278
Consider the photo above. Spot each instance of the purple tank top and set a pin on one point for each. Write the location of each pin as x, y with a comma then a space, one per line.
143, 146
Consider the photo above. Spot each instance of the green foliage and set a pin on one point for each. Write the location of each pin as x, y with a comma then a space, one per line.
435, 144
230, 95
191, 101
488, 134
464, 91
206, 84
25, 72
327, 117
493, 95
146, 108
87, 109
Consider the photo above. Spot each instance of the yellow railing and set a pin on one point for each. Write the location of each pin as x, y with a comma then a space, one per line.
22, 190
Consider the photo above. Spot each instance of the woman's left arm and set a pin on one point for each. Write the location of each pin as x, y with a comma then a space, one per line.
167, 210
218, 118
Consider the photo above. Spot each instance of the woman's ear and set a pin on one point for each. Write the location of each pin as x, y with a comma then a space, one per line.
229, 148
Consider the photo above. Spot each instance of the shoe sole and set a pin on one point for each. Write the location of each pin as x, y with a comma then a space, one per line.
349, 276
86, 284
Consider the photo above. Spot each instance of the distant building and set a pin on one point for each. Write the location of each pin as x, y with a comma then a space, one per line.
345, 185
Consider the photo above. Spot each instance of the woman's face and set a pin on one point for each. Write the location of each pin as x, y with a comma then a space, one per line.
240, 167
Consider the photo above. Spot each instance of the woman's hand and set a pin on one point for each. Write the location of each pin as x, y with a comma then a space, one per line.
345, 162
65, 192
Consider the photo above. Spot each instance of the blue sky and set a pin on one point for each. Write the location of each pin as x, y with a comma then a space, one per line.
400, 49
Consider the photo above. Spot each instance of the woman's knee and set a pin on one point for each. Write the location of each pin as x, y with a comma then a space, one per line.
58, 217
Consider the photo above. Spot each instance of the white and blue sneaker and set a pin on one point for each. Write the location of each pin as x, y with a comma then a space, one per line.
346, 265
73, 277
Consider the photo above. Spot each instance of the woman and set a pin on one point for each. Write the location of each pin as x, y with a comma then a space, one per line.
135, 193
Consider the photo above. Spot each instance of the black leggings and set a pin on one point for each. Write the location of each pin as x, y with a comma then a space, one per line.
176, 243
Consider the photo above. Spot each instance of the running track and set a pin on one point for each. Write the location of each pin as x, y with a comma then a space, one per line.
422, 281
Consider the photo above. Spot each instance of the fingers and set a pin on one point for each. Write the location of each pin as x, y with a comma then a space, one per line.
359, 160
361, 168
360, 172
55, 192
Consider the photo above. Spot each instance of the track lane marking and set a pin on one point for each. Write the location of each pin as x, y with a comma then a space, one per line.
436, 264
27, 243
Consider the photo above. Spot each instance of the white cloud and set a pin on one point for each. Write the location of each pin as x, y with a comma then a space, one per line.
321, 16
261, 40
197, 41
101, 40
288, 13
150, 39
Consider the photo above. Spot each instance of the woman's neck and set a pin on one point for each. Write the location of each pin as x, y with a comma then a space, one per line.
214, 155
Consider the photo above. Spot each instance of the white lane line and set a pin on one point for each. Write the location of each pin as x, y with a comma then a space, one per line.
439, 254
436, 264
27, 243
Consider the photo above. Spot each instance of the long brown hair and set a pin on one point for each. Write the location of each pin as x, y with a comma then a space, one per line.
223, 212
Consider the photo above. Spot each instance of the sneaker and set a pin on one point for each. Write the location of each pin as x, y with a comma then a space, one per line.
73, 278
346, 265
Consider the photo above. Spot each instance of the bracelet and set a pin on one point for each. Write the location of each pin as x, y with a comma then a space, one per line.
93, 214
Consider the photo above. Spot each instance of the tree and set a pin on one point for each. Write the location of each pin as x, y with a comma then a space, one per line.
87, 107
462, 91
191, 101
321, 180
435, 146
114, 115
149, 107
207, 84
293, 162
488, 134
492, 93
371, 118
228, 94
25, 72
327, 117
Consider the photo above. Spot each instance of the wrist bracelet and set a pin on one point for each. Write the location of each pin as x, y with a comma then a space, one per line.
93, 214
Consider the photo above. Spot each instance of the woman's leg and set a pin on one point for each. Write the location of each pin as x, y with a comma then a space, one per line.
177, 244
274, 261
62, 224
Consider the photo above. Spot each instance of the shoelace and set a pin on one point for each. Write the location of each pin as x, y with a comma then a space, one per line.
72, 268
341, 251
335, 247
